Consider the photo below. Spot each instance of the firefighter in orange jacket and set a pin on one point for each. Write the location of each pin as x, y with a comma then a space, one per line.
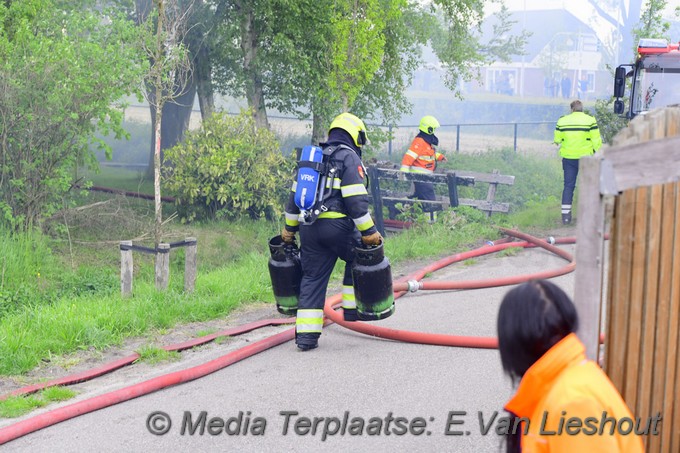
565, 403
422, 157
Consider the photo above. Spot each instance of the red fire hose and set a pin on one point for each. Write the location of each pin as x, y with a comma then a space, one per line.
55, 416
402, 285
120, 363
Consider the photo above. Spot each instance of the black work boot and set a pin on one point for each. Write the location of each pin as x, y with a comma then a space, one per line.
307, 341
350, 314
566, 219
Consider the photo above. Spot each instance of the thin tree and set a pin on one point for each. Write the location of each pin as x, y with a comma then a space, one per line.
167, 79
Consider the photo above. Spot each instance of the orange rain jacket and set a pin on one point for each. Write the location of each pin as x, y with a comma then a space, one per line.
420, 157
562, 384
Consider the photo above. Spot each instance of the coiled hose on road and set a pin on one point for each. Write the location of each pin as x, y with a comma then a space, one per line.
409, 283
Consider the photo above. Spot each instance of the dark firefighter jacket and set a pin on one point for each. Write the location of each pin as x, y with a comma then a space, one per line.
348, 196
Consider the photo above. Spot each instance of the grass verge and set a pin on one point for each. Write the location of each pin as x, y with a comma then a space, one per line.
16, 406
64, 294
104, 319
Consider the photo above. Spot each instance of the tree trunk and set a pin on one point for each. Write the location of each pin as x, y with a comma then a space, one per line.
624, 23
204, 86
318, 127
158, 207
176, 117
254, 86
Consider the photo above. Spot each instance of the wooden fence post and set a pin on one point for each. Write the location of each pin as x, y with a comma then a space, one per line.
491, 193
162, 266
589, 255
126, 269
190, 264
453, 189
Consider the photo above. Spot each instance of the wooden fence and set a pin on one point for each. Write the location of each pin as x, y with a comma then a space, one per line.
637, 177
162, 264
452, 180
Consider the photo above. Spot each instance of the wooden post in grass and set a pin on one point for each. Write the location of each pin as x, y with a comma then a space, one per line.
162, 266
126, 268
190, 264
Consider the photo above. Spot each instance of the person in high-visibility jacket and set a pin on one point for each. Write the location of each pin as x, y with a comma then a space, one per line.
343, 225
422, 157
564, 402
578, 135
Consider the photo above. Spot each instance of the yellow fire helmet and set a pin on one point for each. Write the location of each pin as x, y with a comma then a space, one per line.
428, 124
352, 125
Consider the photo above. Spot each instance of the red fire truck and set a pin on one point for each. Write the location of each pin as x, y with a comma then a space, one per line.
655, 78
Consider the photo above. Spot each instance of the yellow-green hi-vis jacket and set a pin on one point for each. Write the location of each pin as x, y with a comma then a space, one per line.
578, 135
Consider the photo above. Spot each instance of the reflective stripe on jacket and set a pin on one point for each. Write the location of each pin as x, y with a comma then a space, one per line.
348, 196
420, 157
578, 135
562, 385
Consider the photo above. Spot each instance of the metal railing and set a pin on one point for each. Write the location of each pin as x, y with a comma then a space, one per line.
488, 133
528, 136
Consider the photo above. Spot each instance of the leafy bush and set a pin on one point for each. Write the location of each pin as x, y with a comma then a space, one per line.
226, 169
53, 99
608, 122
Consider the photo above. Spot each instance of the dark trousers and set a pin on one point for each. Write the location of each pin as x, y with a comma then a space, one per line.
570, 169
323, 242
424, 191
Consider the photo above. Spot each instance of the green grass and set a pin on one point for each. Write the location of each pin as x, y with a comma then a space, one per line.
538, 214
16, 406
61, 293
104, 319
153, 355
513, 251
101, 321
222, 339
205, 332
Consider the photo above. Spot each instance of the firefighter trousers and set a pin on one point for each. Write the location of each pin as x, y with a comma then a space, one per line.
322, 243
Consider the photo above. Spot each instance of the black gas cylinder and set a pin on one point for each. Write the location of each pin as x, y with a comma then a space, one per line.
285, 272
372, 275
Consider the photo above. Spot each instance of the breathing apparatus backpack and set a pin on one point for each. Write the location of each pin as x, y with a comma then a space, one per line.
314, 181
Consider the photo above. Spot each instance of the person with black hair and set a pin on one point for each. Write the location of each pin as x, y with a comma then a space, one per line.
536, 326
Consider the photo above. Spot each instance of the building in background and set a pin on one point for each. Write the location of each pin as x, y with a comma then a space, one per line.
563, 58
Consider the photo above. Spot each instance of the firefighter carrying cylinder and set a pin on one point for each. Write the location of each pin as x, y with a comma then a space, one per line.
285, 271
372, 276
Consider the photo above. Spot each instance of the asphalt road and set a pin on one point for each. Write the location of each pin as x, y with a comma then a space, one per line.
394, 396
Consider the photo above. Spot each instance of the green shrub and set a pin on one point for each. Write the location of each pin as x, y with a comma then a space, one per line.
226, 169
608, 122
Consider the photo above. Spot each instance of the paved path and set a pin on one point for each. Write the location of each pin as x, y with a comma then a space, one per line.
350, 375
